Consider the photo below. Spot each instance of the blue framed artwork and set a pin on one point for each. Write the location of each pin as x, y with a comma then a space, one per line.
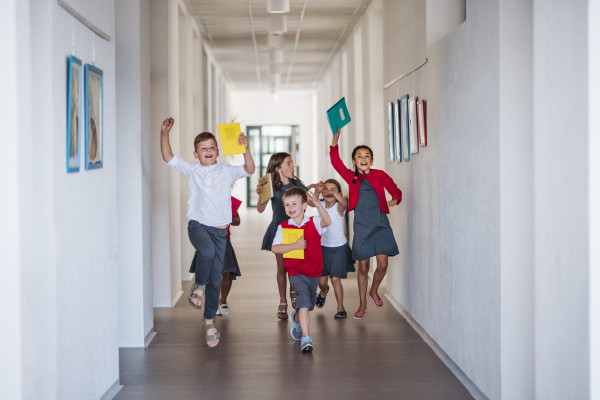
412, 125
404, 128
397, 136
94, 120
73, 113
390, 115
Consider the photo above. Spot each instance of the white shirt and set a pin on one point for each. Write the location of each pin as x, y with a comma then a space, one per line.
316, 220
334, 237
210, 190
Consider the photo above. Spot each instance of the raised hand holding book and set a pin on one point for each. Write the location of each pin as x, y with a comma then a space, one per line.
291, 236
229, 134
338, 115
267, 188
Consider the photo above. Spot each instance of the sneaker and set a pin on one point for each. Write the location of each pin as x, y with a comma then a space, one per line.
321, 300
306, 344
296, 331
340, 314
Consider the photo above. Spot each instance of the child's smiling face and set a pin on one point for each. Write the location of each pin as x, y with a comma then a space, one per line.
363, 160
207, 152
294, 206
287, 168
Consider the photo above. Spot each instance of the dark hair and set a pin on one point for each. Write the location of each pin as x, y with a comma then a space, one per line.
204, 136
357, 148
296, 191
275, 162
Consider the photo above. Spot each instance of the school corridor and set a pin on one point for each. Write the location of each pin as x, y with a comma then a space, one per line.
485, 114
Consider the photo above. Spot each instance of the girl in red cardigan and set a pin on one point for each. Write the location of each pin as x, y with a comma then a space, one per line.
373, 235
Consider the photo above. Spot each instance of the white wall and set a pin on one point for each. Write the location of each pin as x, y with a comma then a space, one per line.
132, 40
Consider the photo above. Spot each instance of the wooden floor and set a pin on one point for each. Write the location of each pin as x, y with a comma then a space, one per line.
381, 357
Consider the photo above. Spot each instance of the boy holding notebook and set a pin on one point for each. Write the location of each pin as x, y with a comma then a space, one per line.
304, 270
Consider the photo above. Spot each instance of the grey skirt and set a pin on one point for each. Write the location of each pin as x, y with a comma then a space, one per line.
337, 261
230, 262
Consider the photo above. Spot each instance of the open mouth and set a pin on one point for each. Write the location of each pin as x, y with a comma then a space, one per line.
364, 164
208, 156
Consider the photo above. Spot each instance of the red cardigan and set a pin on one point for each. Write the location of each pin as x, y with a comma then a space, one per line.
378, 179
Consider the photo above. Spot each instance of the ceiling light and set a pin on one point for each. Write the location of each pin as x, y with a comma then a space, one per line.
275, 40
277, 23
275, 68
275, 56
278, 6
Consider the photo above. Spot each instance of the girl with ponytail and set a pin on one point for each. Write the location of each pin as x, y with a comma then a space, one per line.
373, 235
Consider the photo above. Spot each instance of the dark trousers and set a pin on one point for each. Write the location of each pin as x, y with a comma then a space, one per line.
207, 264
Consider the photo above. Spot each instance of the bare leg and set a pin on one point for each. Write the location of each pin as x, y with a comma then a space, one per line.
323, 285
304, 318
338, 289
281, 281
378, 275
363, 280
226, 287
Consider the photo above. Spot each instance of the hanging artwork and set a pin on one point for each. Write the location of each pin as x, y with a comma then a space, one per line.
73, 113
390, 115
422, 125
412, 125
397, 136
404, 128
94, 124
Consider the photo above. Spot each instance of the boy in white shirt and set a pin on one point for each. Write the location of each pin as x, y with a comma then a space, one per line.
209, 212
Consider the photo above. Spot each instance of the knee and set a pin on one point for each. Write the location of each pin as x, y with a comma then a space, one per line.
206, 252
363, 269
382, 267
335, 280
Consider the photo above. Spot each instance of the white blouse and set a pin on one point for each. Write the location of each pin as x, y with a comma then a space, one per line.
210, 190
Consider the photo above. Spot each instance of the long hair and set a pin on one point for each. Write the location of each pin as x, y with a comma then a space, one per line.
275, 162
362, 146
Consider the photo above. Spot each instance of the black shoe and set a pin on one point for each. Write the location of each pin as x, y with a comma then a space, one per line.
321, 300
340, 314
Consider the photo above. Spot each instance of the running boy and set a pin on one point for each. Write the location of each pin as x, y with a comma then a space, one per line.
304, 273
209, 212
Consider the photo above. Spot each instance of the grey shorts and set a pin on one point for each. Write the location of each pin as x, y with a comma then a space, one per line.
306, 291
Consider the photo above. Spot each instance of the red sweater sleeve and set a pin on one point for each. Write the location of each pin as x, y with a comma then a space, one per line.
390, 186
338, 164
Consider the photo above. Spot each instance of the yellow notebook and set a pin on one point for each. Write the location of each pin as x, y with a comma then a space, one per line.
229, 134
267, 188
291, 236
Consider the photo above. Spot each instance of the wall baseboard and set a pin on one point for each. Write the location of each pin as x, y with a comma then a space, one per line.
176, 298
149, 337
460, 375
112, 391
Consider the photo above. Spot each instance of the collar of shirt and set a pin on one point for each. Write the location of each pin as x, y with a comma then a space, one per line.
304, 221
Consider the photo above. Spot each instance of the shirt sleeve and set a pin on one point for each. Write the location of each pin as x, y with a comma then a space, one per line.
317, 222
278, 239
236, 172
180, 165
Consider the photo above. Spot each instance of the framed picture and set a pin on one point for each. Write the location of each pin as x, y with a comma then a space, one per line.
397, 136
94, 124
404, 128
73, 113
412, 125
390, 115
422, 124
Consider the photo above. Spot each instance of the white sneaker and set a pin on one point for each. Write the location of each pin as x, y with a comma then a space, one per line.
224, 310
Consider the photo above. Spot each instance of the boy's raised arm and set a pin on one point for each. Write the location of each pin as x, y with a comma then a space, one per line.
165, 145
248, 160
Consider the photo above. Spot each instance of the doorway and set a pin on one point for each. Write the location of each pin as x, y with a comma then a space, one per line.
266, 140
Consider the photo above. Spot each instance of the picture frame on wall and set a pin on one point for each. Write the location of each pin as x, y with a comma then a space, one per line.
397, 136
73, 113
405, 137
94, 119
390, 115
412, 125
422, 123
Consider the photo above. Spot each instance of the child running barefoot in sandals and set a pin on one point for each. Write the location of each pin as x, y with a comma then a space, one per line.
209, 212
337, 256
304, 273
373, 235
282, 170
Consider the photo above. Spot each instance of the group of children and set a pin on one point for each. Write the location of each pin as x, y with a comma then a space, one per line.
327, 254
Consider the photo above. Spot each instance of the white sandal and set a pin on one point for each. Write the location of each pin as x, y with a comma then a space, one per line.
225, 310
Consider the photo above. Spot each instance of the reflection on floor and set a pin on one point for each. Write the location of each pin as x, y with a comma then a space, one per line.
380, 357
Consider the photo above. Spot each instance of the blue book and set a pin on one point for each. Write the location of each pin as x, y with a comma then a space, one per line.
338, 115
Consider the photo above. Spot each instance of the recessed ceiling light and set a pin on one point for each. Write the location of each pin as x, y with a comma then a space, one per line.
278, 6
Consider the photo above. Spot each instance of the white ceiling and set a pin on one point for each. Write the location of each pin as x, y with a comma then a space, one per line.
226, 24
